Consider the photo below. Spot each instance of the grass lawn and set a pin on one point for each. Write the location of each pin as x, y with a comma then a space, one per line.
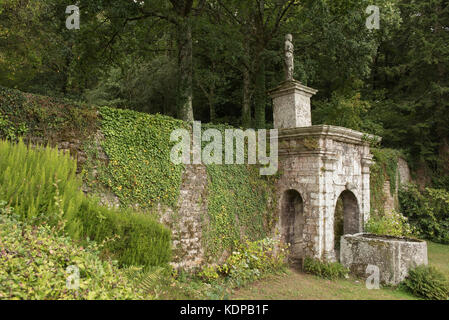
296, 285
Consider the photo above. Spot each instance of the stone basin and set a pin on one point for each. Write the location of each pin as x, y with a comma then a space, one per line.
394, 256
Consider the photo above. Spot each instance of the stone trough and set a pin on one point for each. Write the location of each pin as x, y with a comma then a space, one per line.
392, 255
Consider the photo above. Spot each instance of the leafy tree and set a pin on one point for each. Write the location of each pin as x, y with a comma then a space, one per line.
412, 70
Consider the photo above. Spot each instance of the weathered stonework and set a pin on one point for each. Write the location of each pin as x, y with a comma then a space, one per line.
403, 172
318, 166
291, 105
403, 177
321, 163
186, 221
390, 203
393, 256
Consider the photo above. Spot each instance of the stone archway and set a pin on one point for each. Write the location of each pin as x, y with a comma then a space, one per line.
347, 218
292, 223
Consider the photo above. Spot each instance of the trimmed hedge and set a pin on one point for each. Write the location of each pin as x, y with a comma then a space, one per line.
142, 240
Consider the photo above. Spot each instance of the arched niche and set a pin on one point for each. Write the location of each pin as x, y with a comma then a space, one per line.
346, 217
292, 223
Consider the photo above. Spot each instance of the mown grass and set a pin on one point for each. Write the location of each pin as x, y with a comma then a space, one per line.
439, 256
296, 285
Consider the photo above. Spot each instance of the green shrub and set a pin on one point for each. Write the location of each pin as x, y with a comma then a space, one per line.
38, 182
427, 282
34, 261
392, 224
41, 185
427, 210
328, 270
141, 241
249, 261
9, 130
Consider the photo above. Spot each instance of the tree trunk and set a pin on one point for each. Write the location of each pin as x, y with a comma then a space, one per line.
246, 109
260, 98
211, 98
185, 69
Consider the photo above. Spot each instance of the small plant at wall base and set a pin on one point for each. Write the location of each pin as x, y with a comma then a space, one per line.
249, 261
328, 270
427, 282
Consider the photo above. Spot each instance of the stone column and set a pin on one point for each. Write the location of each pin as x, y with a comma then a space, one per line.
291, 105
329, 206
366, 194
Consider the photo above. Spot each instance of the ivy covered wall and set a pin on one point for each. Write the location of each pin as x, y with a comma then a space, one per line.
126, 155
384, 170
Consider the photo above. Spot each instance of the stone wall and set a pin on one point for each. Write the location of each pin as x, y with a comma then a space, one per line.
186, 220
391, 201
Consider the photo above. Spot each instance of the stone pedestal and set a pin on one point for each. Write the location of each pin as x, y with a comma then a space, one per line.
291, 105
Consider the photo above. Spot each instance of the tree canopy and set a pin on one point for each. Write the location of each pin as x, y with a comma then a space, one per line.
214, 60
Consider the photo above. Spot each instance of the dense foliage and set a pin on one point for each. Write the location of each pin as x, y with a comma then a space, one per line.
427, 211
34, 261
215, 59
49, 119
138, 148
428, 283
39, 191
239, 203
137, 169
51, 193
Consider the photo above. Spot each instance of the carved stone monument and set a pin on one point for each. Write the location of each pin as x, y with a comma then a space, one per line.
291, 100
289, 58
320, 165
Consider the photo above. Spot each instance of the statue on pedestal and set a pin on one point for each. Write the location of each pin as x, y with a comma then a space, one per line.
289, 58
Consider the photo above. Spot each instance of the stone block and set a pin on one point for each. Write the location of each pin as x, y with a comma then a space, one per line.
393, 256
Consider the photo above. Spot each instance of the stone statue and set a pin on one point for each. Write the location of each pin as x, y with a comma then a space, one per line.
288, 59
